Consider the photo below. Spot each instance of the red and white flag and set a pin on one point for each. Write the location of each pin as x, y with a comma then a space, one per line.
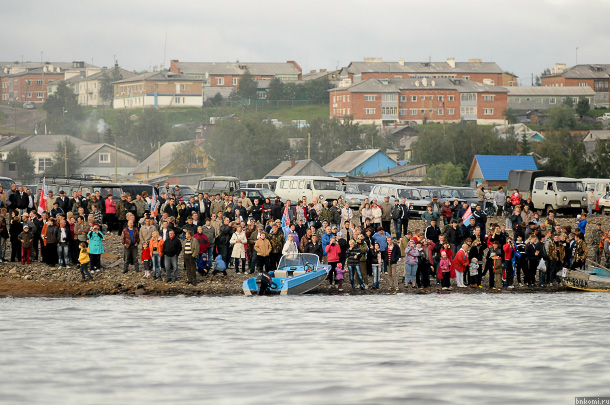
42, 203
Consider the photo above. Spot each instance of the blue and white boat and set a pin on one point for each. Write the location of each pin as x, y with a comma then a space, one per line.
594, 278
297, 273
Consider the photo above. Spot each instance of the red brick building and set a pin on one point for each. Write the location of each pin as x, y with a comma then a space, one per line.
475, 69
227, 74
389, 101
597, 77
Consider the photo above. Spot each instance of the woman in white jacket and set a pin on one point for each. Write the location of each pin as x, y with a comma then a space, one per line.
239, 241
290, 247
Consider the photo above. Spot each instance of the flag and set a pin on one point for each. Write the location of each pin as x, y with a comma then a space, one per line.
153, 204
467, 215
42, 203
285, 222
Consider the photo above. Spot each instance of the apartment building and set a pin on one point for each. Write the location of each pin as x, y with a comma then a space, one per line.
596, 76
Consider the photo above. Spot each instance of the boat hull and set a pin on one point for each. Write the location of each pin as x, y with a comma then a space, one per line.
299, 284
594, 279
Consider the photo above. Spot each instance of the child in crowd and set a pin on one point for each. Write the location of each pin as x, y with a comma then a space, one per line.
145, 257
203, 265
219, 267
376, 263
339, 277
26, 238
474, 271
444, 268
497, 271
83, 259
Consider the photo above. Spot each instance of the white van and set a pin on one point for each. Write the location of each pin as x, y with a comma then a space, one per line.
295, 187
558, 194
600, 187
269, 184
395, 191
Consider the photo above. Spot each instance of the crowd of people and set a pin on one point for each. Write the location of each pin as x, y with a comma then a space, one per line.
215, 233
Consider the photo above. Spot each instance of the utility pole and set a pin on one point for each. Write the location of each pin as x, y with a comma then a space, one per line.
66, 157
159, 154
309, 145
116, 177
577, 55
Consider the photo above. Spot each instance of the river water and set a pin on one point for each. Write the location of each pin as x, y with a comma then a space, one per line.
450, 348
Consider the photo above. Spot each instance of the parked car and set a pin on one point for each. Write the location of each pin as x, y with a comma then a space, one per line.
295, 187
355, 193
261, 183
558, 194
218, 184
6, 183
395, 191
260, 193
29, 106
187, 192
604, 204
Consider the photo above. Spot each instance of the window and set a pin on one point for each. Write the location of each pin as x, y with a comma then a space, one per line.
294, 183
220, 81
39, 82
392, 97
468, 111
184, 87
422, 98
440, 111
402, 111
467, 77
469, 97
284, 184
575, 100
488, 81
413, 98
488, 98
450, 98
369, 97
389, 110
451, 111
44, 164
582, 84
403, 99
235, 81
413, 111
397, 77
261, 95
39, 94
488, 111
29, 95
539, 185
178, 100
430, 98
439, 98
104, 157
369, 111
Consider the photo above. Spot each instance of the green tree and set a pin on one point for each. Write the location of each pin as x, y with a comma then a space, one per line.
600, 159
106, 87
525, 144
145, 135
510, 115
566, 154
216, 100
246, 89
188, 158
560, 117
316, 91
64, 114
276, 90
582, 107
445, 173
25, 163
247, 148
63, 149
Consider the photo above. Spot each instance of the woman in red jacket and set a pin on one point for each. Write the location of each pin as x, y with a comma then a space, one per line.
332, 252
460, 264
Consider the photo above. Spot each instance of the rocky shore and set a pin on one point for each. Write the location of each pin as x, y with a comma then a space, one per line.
39, 280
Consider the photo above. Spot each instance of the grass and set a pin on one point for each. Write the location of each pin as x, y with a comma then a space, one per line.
3, 118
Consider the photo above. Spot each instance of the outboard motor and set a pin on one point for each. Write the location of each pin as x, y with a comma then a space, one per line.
264, 282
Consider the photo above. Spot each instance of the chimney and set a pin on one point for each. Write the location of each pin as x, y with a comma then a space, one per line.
292, 163
401, 62
451, 62
475, 60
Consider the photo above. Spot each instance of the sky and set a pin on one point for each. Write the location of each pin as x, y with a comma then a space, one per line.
522, 37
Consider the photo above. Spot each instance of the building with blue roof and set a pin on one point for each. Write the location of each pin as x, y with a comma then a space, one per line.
492, 170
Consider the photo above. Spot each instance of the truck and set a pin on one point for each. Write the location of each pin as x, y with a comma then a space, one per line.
523, 180
218, 184
561, 194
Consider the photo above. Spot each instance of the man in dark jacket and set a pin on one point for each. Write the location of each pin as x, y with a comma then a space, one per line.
314, 246
397, 215
130, 239
406, 214
171, 250
432, 232
63, 202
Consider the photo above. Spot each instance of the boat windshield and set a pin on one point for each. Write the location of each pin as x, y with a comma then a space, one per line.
299, 259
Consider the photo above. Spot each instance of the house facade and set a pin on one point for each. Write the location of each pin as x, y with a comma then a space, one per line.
417, 101
594, 76
529, 98
158, 90
359, 163
475, 69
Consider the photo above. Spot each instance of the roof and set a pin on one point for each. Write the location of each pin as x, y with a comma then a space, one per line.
43, 143
593, 71
393, 171
158, 76
237, 68
151, 163
497, 167
349, 160
284, 169
550, 91
422, 67
597, 135
87, 150
396, 85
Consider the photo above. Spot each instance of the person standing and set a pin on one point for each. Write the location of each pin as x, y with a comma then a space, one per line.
263, 250
460, 265
26, 238
83, 260
171, 250
411, 263
130, 238
96, 247
591, 201
191, 252
239, 241
397, 215
393, 252
386, 214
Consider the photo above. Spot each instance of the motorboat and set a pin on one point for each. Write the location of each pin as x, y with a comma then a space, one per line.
296, 273
594, 278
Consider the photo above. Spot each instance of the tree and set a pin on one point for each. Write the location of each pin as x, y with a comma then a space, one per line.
106, 87
582, 107
600, 159
64, 114
510, 115
188, 158
216, 100
561, 117
59, 159
25, 163
566, 154
525, 144
445, 173
144, 137
276, 90
246, 89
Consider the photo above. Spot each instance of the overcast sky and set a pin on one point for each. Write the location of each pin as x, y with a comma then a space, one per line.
523, 37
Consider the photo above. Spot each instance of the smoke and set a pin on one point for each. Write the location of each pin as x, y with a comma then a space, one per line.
101, 126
